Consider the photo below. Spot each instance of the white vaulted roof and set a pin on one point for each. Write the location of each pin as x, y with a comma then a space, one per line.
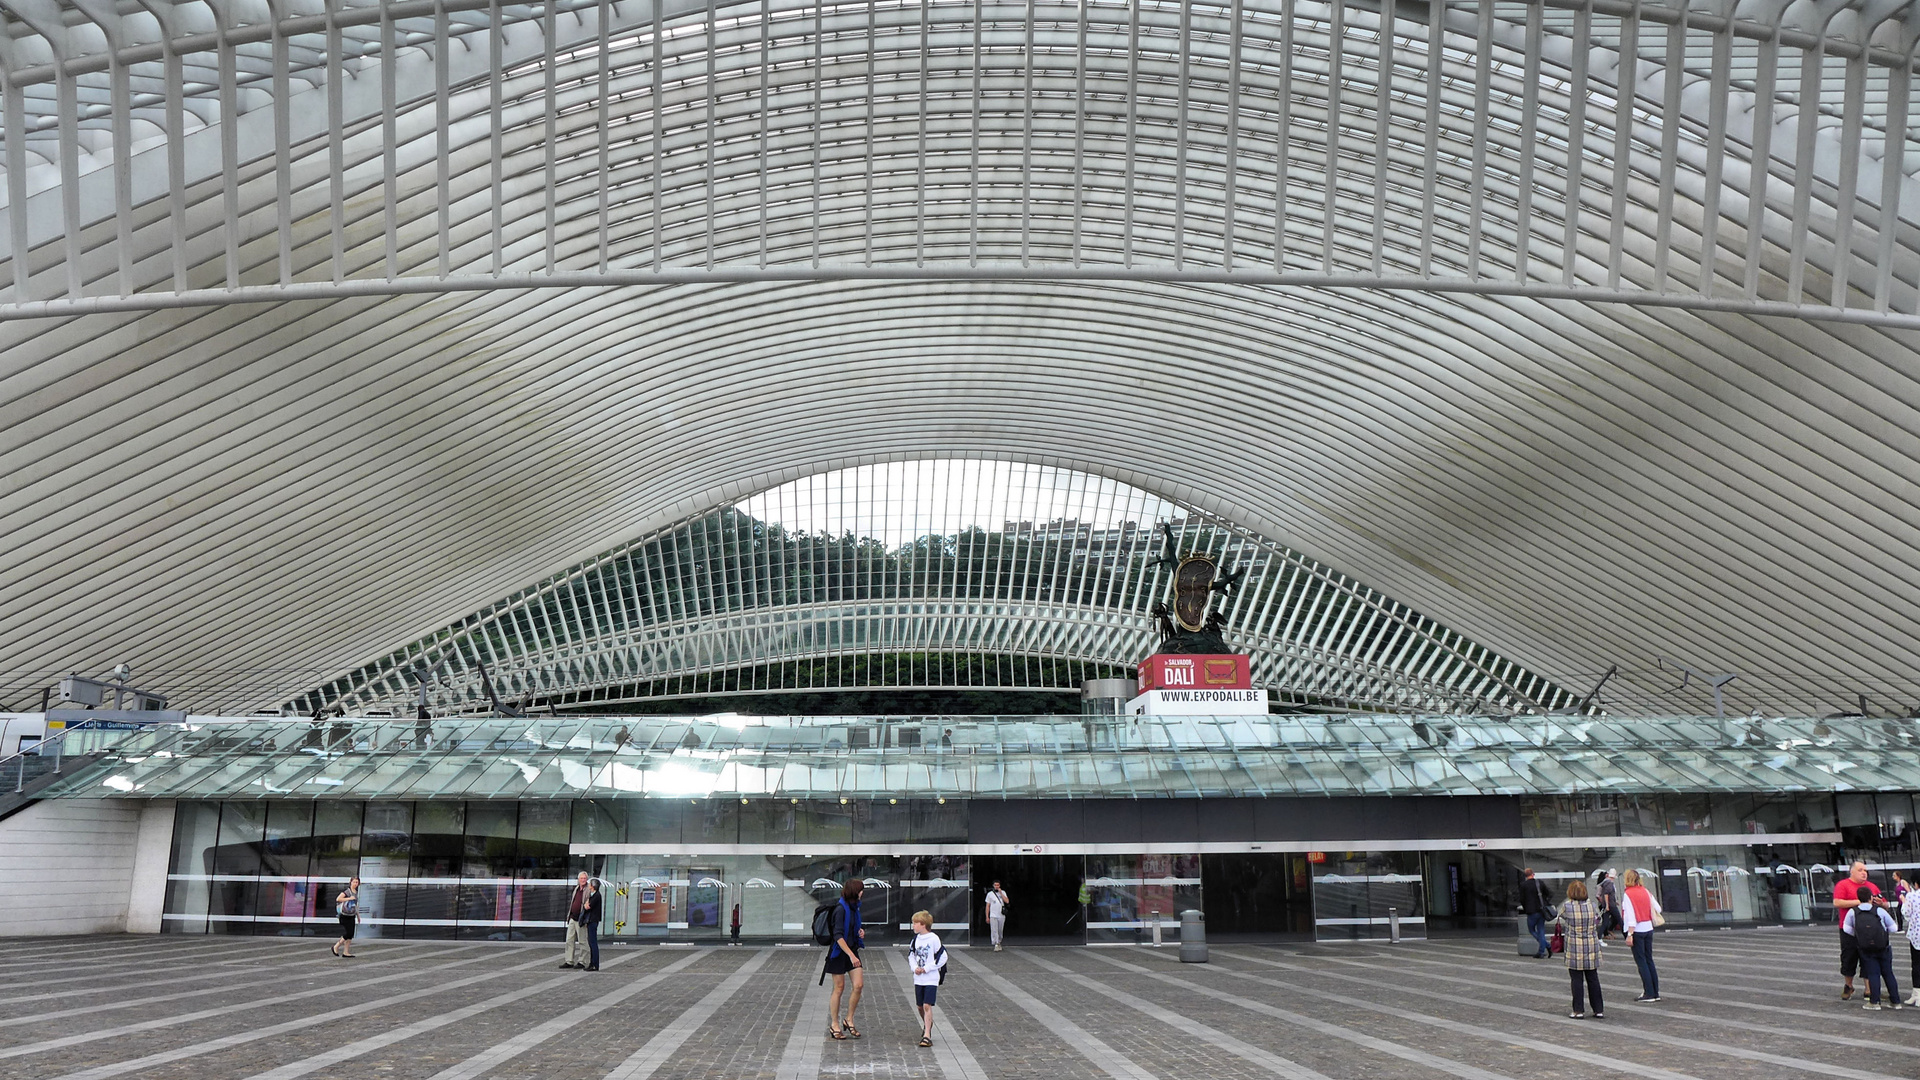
341, 322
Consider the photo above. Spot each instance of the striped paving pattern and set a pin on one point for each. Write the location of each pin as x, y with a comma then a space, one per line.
1749, 1003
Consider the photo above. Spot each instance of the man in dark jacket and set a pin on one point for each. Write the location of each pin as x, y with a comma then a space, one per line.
1535, 902
590, 921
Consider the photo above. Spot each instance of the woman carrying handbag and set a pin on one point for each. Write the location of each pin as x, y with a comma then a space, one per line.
1641, 912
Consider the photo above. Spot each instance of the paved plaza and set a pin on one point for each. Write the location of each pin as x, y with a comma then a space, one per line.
1744, 1003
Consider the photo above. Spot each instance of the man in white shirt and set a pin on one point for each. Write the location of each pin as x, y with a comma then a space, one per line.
997, 914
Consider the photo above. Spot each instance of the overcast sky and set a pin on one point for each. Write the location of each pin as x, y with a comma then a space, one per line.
899, 501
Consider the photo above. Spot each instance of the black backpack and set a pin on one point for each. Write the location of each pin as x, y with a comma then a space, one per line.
823, 920
1869, 933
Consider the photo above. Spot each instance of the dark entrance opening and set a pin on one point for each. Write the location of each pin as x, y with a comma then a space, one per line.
1257, 897
1043, 897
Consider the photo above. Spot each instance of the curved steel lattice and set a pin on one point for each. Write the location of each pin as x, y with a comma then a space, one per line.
877, 592
1750, 155
1423, 327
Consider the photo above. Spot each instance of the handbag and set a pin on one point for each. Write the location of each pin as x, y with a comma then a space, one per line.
1659, 920
1558, 942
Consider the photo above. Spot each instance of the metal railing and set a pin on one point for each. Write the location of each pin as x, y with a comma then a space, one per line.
84, 739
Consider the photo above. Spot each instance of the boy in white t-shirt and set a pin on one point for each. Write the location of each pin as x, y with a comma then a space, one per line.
927, 958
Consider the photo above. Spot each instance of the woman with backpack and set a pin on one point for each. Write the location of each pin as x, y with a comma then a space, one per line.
347, 906
843, 959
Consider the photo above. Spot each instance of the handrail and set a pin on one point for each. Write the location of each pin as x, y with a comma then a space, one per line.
18, 759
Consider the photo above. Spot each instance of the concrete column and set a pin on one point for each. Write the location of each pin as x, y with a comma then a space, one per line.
152, 852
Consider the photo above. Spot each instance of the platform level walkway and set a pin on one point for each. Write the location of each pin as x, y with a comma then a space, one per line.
1746, 1003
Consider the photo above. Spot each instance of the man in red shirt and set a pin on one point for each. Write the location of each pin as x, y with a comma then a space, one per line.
1850, 893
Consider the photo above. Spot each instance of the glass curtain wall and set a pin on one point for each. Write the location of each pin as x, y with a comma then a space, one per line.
501, 870
491, 871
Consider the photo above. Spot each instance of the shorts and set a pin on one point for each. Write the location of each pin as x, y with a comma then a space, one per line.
924, 995
346, 927
840, 963
1849, 955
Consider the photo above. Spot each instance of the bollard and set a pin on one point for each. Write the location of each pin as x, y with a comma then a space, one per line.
1193, 937
1156, 929
1393, 925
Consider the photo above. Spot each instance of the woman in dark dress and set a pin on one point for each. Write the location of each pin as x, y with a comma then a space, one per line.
347, 906
843, 959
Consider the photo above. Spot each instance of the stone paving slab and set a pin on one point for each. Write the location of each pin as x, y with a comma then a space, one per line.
1738, 1004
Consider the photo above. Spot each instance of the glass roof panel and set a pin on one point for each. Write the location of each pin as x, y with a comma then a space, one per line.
991, 757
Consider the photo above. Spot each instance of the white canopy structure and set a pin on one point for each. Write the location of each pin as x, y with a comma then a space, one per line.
1587, 330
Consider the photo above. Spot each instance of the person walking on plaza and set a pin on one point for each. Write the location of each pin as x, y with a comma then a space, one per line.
997, 915
1580, 926
1640, 913
1901, 887
843, 959
1850, 893
927, 958
347, 906
1609, 907
1873, 929
735, 926
1910, 910
577, 947
1535, 902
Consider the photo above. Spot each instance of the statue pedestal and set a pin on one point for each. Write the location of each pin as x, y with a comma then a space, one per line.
1181, 684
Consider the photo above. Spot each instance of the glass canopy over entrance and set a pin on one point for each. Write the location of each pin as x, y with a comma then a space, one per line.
994, 757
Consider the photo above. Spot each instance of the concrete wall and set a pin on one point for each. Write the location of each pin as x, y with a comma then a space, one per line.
84, 866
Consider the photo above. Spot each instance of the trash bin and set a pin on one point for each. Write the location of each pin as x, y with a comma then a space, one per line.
1193, 937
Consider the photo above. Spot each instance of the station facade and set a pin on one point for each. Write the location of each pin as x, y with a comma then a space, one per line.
1328, 828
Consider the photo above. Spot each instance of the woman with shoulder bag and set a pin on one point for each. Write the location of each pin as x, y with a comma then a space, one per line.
1641, 913
1580, 929
347, 906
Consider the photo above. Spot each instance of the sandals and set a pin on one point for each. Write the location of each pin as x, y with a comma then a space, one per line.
852, 1032
835, 1033
925, 1041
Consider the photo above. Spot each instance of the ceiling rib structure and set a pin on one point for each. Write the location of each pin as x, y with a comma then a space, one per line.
1587, 330
884, 576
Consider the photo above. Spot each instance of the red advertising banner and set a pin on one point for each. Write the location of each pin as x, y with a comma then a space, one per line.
1179, 672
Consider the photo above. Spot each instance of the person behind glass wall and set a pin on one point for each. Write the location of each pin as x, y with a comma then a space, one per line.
843, 959
1580, 925
347, 906
1640, 912
736, 924
1852, 891
1535, 903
